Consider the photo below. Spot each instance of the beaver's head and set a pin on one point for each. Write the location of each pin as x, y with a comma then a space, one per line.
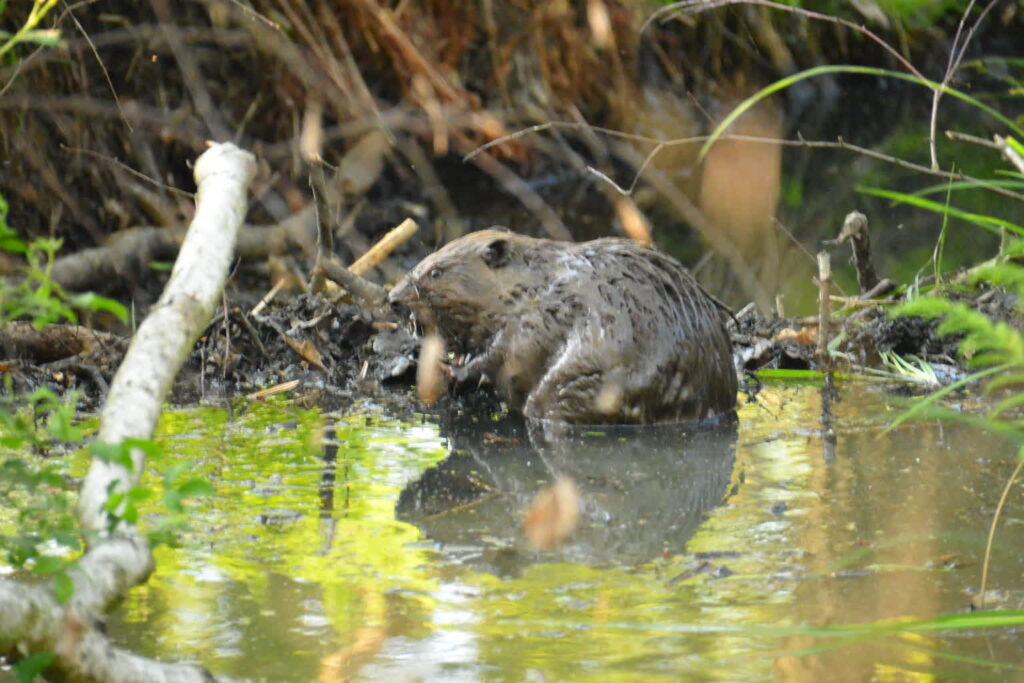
468, 289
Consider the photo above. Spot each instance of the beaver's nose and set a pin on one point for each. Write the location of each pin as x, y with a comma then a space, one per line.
403, 293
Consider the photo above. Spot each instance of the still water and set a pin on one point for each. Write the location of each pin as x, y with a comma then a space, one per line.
361, 547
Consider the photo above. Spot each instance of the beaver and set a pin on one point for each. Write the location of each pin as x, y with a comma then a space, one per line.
597, 332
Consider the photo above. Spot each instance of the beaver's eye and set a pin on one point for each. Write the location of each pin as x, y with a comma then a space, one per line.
435, 273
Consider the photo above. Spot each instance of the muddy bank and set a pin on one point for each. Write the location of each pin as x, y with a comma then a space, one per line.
334, 353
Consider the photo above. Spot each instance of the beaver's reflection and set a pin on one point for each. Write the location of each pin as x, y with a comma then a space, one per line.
643, 490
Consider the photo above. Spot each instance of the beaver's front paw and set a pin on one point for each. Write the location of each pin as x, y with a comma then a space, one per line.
468, 371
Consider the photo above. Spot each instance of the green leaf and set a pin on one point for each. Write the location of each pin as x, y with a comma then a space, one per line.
47, 564
29, 668
172, 499
970, 185
924, 404
114, 500
130, 514
107, 452
137, 494
121, 453
1007, 274
63, 587
60, 426
1011, 402
1014, 145
9, 240
149, 448
790, 374
195, 488
95, 302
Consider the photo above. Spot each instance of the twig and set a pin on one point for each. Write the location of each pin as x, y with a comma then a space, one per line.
659, 145
519, 189
997, 143
855, 231
103, 68
324, 238
191, 74
128, 169
368, 295
824, 305
884, 286
276, 389
383, 248
1012, 155
956, 58
571, 125
992, 530
223, 174
118, 556
250, 11
695, 6
972, 139
858, 302
267, 298
252, 333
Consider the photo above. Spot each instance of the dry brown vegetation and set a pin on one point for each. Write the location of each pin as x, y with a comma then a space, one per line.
368, 107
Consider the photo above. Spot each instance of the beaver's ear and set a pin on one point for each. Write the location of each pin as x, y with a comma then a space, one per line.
496, 254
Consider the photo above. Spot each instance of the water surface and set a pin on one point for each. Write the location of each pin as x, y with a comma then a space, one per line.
364, 547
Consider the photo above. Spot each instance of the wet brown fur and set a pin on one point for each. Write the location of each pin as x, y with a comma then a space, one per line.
595, 332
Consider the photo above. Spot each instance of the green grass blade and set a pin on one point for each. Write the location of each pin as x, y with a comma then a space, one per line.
784, 83
926, 402
971, 185
981, 220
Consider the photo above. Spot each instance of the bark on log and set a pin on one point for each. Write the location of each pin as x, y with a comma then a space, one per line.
20, 340
31, 619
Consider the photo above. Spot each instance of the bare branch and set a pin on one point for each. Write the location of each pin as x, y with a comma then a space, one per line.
697, 6
956, 57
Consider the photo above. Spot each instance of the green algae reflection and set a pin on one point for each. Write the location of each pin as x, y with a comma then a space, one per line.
297, 556
299, 570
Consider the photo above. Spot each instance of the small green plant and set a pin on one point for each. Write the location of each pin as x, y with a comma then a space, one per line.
28, 33
37, 295
46, 536
996, 349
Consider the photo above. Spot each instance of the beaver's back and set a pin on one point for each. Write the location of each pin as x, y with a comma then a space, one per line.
647, 331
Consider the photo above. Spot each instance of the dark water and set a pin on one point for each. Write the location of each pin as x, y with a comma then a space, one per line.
399, 555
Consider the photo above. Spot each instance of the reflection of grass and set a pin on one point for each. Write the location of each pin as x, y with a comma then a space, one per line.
849, 634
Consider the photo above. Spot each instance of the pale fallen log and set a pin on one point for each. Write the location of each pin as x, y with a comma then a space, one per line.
130, 251
119, 557
166, 336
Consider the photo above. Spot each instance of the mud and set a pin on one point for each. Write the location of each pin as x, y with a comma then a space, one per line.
339, 354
